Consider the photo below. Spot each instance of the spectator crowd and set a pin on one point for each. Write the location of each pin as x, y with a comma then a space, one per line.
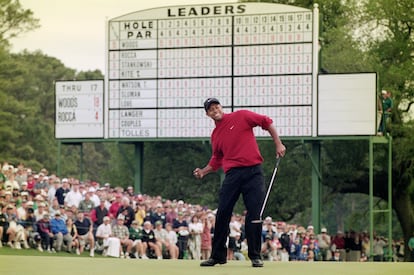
41, 211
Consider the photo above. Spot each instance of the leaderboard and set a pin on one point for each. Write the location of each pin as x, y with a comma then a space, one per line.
79, 109
163, 63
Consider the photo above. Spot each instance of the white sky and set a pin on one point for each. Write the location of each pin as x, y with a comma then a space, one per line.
74, 30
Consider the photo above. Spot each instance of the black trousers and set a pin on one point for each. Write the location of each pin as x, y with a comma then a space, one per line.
46, 240
182, 246
248, 181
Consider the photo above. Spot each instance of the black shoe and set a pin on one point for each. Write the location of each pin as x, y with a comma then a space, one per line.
212, 262
257, 263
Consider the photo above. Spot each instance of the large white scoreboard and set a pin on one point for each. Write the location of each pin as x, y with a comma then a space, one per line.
163, 63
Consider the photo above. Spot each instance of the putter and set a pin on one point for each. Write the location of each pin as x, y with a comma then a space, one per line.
268, 192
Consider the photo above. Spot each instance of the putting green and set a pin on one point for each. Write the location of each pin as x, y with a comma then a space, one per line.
52, 265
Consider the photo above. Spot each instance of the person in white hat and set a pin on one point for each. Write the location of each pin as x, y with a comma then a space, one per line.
41, 184
104, 235
41, 210
53, 186
94, 196
324, 241
11, 183
22, 210
74, 197
387, 105
120, 231
149, 241
86, 205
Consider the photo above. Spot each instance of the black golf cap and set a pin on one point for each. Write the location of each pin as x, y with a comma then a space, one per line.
210, 101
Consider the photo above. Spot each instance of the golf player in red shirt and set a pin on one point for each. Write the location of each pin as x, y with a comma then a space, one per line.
234, 148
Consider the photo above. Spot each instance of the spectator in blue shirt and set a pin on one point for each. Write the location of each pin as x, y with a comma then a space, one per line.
295, 248
303, 254
60, 233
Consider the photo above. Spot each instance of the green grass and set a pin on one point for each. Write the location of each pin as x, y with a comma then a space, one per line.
33, 252
33, 262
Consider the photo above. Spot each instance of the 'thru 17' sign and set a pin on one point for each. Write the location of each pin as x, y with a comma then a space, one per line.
79, 109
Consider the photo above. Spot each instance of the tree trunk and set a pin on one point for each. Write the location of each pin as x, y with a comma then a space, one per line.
402, 206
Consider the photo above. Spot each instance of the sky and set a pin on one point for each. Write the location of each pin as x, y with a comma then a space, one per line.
73, 31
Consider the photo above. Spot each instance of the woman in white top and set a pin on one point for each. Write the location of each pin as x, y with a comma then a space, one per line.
194, 242
172, 240
111, 244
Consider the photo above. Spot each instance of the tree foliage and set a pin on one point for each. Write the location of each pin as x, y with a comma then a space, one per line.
393, 52
15, 20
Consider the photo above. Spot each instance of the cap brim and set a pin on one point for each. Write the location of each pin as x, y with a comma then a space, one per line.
209, 102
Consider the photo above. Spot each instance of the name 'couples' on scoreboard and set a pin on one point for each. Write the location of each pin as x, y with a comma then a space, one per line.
161, 70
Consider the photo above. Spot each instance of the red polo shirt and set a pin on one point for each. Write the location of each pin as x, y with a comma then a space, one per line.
233, 141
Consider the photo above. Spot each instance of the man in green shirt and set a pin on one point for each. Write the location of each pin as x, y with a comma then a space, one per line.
387, 105
135, 234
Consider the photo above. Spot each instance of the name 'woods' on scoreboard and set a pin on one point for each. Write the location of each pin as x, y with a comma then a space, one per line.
163, 63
